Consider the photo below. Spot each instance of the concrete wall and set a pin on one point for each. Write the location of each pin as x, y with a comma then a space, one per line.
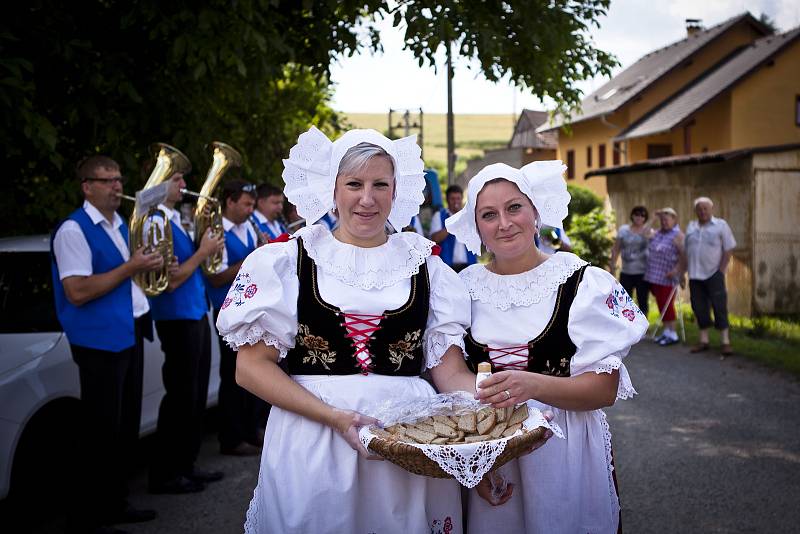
777, 232
728, 184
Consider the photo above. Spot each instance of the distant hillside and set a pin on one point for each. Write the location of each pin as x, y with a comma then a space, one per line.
473, 134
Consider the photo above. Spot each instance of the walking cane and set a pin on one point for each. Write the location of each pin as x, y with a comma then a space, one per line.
664, 312
679, 304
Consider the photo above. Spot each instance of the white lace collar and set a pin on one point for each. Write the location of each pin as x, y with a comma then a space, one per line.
366, 268
524, 289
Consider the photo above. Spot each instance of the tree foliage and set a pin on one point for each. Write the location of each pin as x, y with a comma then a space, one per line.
113, 76
589, 227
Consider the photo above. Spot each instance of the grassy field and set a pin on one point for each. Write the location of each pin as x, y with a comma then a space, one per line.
473, 134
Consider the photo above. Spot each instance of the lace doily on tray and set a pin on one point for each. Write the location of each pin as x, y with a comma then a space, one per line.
468, 463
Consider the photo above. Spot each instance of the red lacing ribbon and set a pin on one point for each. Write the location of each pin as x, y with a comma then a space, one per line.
360, 327
517, 350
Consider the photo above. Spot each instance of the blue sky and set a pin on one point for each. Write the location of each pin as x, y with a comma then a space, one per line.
632, 28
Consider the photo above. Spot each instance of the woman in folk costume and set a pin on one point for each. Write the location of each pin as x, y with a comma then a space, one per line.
555, 331
356, 316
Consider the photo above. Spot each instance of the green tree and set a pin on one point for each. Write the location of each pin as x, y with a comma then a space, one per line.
112, 76
588, 226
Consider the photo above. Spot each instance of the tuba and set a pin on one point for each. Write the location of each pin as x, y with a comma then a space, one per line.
208, 212
152, 236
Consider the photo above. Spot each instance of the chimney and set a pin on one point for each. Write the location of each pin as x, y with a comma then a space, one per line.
693, 26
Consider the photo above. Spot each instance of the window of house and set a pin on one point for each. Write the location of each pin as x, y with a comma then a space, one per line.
570, 164
615, 152
658, 151
797, 110
589, 156
601, 155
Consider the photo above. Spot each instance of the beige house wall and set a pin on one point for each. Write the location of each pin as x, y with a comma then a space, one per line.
763, 105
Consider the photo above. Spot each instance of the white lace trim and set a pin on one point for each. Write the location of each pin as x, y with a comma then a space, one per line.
607, 444
437, 343
366, 268
253, 335
625, 389
541, 181
468, 463
310, 172
524, 289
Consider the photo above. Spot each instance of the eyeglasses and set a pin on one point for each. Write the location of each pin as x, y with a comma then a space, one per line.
248, 188
107, 181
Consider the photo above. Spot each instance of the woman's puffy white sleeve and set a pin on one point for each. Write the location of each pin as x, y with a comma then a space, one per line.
261, 304
604, 323
449, 313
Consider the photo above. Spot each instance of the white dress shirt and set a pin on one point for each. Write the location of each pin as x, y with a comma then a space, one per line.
239, 230
274, 226
74, 256
705, 244
459, 249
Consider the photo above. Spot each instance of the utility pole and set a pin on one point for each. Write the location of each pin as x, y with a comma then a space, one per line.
412, 121
451, 148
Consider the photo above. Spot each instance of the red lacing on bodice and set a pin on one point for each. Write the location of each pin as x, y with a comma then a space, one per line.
516, 350
360, 328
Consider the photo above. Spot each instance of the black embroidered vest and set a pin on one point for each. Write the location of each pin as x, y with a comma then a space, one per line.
551, 351
322, 347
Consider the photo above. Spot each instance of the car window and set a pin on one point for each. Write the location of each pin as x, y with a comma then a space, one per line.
26, 293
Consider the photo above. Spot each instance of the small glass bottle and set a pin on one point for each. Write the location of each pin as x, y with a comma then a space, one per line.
484, 372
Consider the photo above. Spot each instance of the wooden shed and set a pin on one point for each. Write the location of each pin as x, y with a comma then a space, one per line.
756, 190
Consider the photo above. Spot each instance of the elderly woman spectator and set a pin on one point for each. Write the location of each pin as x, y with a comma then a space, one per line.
631, 245
663, 270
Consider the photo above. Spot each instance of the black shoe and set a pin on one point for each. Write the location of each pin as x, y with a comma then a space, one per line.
201, 475
133, 515
177, 486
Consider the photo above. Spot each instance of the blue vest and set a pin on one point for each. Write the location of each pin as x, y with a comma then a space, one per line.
105, 323
237, 251
448, 245
266, 230
189, 300
328, 221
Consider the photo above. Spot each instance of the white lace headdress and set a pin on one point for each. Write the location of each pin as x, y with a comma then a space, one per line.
541, 181
310, 172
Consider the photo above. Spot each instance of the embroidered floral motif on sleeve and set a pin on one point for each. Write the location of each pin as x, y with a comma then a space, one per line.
442, 527
318, 349
405, 348
241, 289
621, 304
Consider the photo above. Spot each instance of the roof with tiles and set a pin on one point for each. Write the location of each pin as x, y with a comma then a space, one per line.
632, 81
525, 135
705, 89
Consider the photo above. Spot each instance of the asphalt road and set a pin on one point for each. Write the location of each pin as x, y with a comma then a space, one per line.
707, 446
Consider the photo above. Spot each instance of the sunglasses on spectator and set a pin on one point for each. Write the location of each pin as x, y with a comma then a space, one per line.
248, 188
119, 179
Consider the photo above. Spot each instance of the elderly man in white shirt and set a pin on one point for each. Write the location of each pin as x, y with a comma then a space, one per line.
709, 245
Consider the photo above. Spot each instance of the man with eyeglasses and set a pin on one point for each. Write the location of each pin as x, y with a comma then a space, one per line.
104, 315
243, 416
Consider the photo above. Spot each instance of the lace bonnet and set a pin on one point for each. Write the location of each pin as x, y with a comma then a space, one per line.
541, 181
310, 172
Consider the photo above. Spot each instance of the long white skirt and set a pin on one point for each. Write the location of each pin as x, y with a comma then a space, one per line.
566, 486
311, 480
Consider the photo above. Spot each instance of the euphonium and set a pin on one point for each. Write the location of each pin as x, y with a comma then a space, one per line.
208, 213
157, 236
